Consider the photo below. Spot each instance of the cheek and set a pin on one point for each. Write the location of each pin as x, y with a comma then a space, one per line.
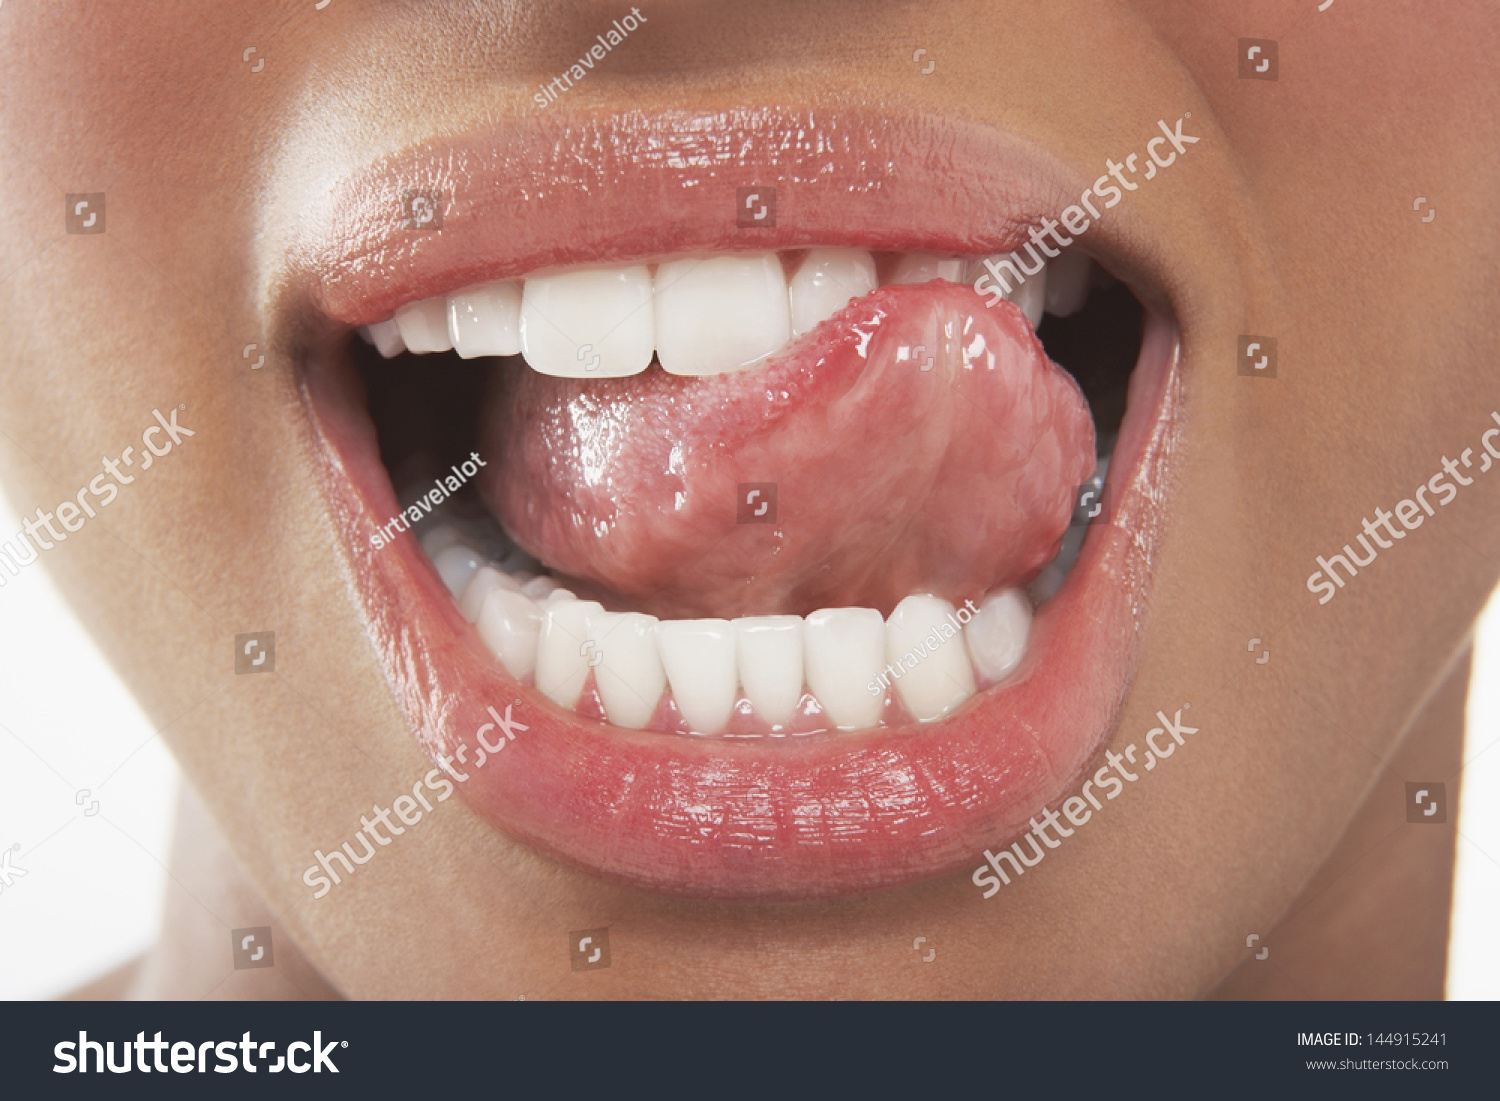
1356, 88
92, 91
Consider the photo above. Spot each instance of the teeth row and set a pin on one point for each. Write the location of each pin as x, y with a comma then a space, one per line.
698, 317
844, 660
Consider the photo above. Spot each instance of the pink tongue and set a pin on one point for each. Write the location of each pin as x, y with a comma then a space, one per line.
916, 442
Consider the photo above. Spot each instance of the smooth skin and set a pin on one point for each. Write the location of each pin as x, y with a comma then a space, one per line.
1292, 217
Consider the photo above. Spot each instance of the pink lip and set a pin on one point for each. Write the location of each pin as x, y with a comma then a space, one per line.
712, 818
560, 189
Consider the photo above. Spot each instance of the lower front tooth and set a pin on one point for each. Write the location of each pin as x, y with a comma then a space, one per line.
588, 324
924, 645
455, 565
486, 580
562, 653
770, 664
540, 588
510, 625
434, 540
996, 636
627, 666
699, 658
424, 326
843, 649
720, 314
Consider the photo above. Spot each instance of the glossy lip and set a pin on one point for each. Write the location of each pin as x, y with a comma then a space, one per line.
768, 819
560, 189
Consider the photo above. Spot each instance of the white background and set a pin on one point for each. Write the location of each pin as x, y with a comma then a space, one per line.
91, 897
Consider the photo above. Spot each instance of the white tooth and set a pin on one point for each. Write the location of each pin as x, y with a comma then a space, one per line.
770, 661
562, 653
720, 314
628, 671
1031, 296
997, 634
386, 337
825, 283
486, 580
539, 588
843, 649
510, 627
559, 594
455, 565
921, 629
424, 326
588, 324
436, 540
1029, 292
698, 655
486, 321
923, 267
1068, 283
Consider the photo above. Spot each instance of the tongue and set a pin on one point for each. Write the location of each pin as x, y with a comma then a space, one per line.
915, 442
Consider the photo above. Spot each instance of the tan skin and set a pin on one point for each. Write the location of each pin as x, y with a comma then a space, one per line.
1293, 217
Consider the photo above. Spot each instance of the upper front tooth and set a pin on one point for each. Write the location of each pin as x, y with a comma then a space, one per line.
826, 281
1068, 282
1031, 296
770, 661
698, 655
562, 653
844, 648
720, 314
424, 326
1003, 273
588, 324
936, 677
486, 321
923, 267
386, 336
627, 666
996, 636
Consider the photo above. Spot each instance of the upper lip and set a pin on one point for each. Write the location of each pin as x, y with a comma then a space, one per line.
722, 819
559, 189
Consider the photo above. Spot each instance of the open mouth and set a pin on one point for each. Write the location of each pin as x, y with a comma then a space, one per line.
809, 568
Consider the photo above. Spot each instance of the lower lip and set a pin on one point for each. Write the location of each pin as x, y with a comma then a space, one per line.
769, 819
